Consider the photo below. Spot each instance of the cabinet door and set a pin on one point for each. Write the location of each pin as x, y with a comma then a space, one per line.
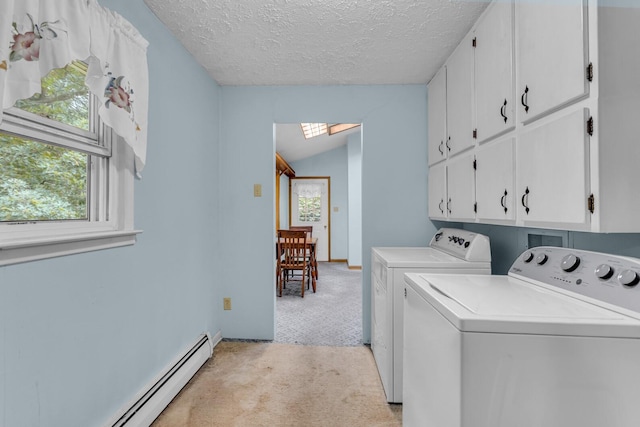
460, 98
461, 187
494, 71
551, 55
437, 187
437, 116
495, 180
552, 170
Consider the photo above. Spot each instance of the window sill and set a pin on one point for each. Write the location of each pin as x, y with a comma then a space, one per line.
19, 251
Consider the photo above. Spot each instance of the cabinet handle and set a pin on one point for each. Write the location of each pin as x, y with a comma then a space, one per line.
440, 148
449, 206
503, 201
525, 99
525, 200
440, 206
503, 111
448, 147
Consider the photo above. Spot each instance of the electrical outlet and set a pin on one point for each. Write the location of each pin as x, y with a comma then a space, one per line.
257, 190
227, 303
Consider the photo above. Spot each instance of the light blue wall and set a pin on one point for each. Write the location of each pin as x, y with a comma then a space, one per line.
394, 183
509, 242
333, 164
354, 159
81, 335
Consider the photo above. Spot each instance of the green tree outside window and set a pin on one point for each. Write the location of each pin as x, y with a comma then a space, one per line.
39, 181
309, 209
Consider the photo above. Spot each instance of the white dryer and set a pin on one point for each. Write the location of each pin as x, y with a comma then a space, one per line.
450, 251
555, 343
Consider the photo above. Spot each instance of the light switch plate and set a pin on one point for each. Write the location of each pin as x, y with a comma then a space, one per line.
257, 190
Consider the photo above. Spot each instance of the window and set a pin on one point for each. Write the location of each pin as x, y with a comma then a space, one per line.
309, 209
309, 201
64, 184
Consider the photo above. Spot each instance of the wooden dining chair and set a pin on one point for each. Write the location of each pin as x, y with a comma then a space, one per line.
307, 228
292, 256
312, 254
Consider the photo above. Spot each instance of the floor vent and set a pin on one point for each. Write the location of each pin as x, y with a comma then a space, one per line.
154, 398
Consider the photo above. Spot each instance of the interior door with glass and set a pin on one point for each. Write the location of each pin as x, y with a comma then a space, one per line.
310, 206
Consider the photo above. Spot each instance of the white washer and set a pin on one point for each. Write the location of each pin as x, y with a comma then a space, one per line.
450, 251
555, 343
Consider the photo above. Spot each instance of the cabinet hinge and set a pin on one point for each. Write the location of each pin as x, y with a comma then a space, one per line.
475, 207
590, 72
474, 43
591, 203
590, 126
475, 134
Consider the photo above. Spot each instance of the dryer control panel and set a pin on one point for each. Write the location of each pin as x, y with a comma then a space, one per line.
462, 244
607, 278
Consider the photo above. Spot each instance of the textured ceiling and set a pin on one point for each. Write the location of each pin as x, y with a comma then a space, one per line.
319, 42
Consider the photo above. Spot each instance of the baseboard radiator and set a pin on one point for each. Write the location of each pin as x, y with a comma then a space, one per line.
155, 397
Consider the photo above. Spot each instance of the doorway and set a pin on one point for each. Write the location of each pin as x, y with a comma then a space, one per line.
318, 190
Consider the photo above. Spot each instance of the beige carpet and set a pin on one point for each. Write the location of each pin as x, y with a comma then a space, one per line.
268, 384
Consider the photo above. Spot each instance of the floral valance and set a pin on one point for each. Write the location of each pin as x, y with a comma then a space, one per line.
308, 190
37, 36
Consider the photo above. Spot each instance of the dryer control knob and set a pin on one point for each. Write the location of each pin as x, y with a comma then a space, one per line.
527, 256
604, 271
541, 259
628, 278
570, 263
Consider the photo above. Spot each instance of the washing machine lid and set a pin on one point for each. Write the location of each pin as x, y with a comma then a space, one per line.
502, 304
423, 257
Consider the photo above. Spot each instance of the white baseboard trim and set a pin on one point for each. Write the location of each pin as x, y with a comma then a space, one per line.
145, 407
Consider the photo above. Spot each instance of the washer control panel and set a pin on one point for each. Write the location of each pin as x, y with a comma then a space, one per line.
609, 278
462, 244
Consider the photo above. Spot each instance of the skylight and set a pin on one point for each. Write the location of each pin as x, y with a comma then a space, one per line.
341, 127
316, 129
313, 129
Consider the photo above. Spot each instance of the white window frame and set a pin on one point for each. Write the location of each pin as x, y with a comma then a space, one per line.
111, 214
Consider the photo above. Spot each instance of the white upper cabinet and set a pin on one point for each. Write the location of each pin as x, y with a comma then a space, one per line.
568, 154
552, 55
461, 187
460, 98
552, 171
495, 107
437, 188
437, 112
495, 181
